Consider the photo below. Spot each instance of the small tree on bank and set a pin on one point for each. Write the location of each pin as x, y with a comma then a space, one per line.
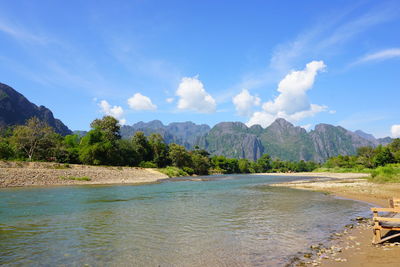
34, 139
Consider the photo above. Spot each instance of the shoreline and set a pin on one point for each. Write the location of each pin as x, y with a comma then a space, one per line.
45, 174
352, 246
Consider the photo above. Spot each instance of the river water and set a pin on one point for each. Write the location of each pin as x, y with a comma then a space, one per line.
226, 221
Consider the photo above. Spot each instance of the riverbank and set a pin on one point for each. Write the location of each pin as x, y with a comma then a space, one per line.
18, 174
353, 246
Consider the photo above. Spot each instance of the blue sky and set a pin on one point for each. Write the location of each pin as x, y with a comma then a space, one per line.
310, 62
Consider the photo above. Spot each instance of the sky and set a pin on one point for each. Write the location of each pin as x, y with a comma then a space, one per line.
309, 62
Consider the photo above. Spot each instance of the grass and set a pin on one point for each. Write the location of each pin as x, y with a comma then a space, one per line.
173, 172
83, 178
343, 170
386, 174
60, 166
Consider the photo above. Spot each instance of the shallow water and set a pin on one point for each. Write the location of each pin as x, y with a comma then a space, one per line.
227, 221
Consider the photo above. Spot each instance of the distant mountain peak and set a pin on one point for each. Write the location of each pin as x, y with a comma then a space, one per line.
365, 135
282, 123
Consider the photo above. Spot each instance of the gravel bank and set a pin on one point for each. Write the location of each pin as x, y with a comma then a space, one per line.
16, 174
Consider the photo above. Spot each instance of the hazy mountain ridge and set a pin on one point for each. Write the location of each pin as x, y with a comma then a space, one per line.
15, 109
187, 133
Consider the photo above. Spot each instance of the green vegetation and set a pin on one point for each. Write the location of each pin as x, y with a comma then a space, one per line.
383, 162
173, 171
103, 146
386, 174
73, 178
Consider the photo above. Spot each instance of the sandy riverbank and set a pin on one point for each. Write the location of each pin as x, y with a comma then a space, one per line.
353, 246
16, 174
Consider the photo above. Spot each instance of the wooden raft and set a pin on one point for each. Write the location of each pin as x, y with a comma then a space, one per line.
391, 222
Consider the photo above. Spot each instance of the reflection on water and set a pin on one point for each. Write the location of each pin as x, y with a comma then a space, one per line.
238, 221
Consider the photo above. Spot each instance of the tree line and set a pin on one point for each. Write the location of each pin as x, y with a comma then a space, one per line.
103, 145
368, 157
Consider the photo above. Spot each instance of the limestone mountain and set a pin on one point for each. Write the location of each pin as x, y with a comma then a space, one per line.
187, 134
233, 139
281, 139
16, 109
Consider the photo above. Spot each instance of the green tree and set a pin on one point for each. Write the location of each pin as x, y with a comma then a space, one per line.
383, 156
159, 150
179, 156
100, 145
244, 165
264, 163
200, 164
35, 139
366, 156
6, 150
142, 147
109, 126
395, 149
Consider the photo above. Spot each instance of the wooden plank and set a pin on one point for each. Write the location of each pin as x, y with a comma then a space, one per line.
385, 210
386, 219
387, 238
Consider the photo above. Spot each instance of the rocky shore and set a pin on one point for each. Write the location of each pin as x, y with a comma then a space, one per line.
17, 174
352, 246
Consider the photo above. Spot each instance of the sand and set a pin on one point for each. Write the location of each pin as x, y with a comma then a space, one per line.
354, 244
17, 174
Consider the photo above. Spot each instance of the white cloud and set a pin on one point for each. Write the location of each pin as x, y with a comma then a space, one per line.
262, 118
292, 103
378, 56
395, 131
141, 102
193, 96
245, 102
115, 111
169, 100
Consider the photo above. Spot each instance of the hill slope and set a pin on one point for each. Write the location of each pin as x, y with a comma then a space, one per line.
15, 109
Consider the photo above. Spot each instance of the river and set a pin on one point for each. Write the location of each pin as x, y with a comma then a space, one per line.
233, 220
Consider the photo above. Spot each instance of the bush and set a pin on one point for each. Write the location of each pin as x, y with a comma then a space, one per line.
173, 172
147, 164
188, 170
386, 174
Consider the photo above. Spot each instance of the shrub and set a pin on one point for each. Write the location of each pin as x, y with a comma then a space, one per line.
386, 174
147, 164
173, 172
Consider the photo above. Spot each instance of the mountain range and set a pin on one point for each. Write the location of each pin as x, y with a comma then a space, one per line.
281, 139
232, 139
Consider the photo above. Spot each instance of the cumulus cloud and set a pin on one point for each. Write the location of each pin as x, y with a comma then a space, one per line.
245, 102
292, 103
395, 131
141, 102
169, 100
114, 111
193, 96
